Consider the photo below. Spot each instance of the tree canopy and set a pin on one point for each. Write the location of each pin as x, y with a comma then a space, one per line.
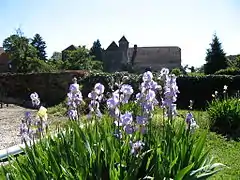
40, 46
215, 58
96, 50
80, 59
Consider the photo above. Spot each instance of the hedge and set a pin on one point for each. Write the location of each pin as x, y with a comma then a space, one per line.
229, 71
199, 89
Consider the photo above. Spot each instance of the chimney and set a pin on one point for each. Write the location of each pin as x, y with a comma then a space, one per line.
134, 54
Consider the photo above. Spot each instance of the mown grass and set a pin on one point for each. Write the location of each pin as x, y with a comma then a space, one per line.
223, 150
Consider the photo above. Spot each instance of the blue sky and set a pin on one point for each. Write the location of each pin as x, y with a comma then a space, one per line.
188, 24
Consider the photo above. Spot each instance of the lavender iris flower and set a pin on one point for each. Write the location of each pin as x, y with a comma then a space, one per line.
191, 123
170, 94
96, 96
136, 147
74, 100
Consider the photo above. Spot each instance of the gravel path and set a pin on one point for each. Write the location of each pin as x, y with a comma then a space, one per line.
10, 118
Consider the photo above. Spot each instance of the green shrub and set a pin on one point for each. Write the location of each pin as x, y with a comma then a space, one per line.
176, 71
229, 71
224, 116
195, 74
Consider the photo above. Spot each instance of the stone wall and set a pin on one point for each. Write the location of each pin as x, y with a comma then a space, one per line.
51, 87
157, 57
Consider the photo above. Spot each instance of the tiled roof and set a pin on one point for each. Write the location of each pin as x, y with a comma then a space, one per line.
112, 47
123, 39
71, 47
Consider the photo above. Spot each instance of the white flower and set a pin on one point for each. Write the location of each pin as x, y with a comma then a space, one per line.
35, 99
99, 88
126, 89
147, 76
225, 87
164, 71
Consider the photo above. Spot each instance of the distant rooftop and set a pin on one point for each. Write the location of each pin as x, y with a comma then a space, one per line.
71, 47
112, 47
123, 39
154, 47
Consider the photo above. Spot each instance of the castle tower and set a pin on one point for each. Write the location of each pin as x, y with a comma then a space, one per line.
123, 46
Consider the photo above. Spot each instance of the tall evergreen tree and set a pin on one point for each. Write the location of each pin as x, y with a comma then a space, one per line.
215, 58
40, 45
96, 50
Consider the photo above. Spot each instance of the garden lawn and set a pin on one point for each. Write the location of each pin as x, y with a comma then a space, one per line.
223, 150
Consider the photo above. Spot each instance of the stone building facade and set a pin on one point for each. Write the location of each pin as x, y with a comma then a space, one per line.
4, 61
115, 57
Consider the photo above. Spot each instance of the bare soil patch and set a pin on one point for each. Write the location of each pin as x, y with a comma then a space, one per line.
10, 119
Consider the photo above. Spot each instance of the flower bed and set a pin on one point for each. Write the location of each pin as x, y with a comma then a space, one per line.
127, 141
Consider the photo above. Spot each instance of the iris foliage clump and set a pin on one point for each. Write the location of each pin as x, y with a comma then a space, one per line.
224, 113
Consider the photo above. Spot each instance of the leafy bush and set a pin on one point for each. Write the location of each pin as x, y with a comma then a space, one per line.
229, 71
176, 71
195, 74
224, 116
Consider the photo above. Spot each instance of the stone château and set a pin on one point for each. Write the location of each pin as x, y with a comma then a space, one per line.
116, 56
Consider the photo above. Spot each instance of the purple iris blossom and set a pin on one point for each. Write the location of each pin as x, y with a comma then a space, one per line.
136, 147
74, 100
74, 87
113, 102
93, 95
28, 118
170, 95
129, 129
72, 114
138, 96
114, 113
99, 88
126, 89
141, 120
25, 132
164, 71
94, 109
150, 85
150, 95
189, 117
96, 97
126, 118
191, 123
147, 76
